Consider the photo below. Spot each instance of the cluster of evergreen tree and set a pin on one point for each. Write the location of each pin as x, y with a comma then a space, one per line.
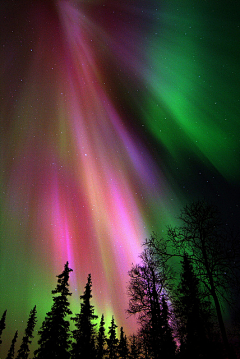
177, 318
24, 350
56, 340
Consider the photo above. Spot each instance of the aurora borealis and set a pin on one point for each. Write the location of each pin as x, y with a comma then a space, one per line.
113, 116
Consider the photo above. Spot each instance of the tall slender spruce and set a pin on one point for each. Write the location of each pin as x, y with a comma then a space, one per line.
24, 350
2, 324
194, 313
12, 347
54, 334
85, 333
213, 251
101, 339
122, 345
112, 341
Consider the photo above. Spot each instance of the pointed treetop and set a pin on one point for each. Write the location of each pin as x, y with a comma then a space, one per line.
63, 281
12, 347
2, 324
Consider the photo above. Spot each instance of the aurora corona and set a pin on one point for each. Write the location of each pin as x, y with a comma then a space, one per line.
97, 120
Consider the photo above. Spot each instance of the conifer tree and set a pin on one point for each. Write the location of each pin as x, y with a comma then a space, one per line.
12, 347
193, 312
24, 350
168, 345
214, 252
101, 339
2, 324
134, 354
122, 345
54, 334
112, 341
84, 334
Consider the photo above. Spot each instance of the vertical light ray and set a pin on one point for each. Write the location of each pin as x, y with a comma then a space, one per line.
108, 109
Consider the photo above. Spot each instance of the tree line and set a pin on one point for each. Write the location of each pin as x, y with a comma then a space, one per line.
177, 291
55, 338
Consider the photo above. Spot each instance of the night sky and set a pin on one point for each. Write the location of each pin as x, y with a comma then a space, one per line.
114, 115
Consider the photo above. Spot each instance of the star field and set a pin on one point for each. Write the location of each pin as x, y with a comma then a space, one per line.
113, 116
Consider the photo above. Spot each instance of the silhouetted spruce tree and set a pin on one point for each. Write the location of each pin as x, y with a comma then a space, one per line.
85, 334
101, 340
122, 345
134, 352
54, 334
194, 314
12, 347
2, 324
112, 341
168, 345
158, 340
24, 350
213, 252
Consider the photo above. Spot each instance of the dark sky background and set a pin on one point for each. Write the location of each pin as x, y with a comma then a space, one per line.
114, 115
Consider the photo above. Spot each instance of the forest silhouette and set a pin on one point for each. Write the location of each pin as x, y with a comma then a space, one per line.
177, 291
